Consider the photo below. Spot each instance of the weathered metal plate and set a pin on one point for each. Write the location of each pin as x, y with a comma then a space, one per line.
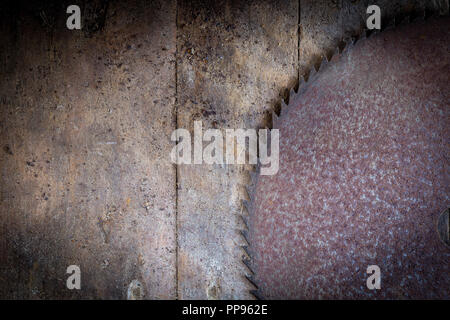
364, 158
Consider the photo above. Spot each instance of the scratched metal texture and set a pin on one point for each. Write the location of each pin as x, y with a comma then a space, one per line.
364, 175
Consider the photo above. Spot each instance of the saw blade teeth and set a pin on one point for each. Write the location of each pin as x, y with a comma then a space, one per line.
291, 95
335, 54
244, 220
251, 279
247, 263
301, 84
256, 294
244, 234
312, 74
246, 250
247, 206
283, 106
323, 64
349, 43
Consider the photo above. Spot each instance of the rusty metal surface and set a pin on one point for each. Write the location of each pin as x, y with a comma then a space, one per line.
324, 23
363, 178
85, 124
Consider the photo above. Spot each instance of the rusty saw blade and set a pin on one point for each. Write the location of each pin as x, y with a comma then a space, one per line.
364, 175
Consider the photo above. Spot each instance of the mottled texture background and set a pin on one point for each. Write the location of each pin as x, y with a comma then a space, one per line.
364, 175
85, 124
85, 175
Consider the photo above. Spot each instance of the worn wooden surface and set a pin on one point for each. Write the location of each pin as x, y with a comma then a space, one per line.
85, 124
234, 62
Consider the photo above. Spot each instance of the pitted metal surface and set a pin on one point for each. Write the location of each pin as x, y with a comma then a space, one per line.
364, 175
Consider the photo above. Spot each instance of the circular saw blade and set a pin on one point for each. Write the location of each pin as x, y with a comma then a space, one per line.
364, 175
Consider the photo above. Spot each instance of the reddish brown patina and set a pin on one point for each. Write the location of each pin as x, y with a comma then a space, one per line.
364, 175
